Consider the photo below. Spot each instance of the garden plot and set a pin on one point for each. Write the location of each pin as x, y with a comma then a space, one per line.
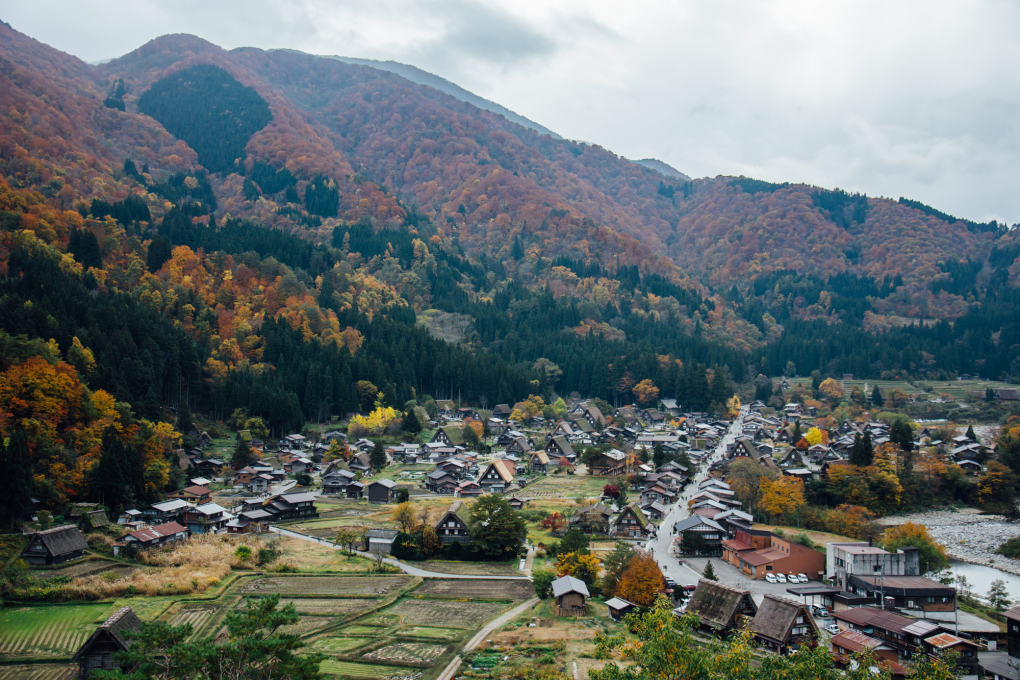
340, 645
362, 630
43, 671
325, 585
308, 624
429, 633
446, 614
407, 652
346, 669
469, 568
53, 630
86, 568
461, 588
326, 606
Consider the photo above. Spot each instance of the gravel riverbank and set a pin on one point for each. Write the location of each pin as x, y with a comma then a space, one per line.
968, 535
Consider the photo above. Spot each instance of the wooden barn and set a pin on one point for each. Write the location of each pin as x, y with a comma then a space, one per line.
571, 596
54, 546
97, 652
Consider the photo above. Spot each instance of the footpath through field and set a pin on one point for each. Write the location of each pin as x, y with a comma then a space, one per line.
449, 671
406, 568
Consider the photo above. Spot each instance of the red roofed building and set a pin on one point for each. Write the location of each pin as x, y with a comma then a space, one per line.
153, 537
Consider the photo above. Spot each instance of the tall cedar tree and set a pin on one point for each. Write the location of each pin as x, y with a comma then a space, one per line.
876, 397
16, 481
377, 459
901, 433
861, 454
242, 456
410, 423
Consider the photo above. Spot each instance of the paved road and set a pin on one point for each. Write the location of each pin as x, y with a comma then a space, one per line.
449, 671
660, 545
406, 568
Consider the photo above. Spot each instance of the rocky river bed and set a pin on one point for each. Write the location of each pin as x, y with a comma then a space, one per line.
968, 535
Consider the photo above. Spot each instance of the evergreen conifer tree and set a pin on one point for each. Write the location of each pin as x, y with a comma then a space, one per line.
16, 481
709, 572
410, 423
970, 433
377, 459
242, 456
876, 397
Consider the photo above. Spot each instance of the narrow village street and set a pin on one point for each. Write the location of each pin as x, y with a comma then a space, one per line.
660, 546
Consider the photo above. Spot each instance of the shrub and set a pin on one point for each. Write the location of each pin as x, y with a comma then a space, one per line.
1010, 548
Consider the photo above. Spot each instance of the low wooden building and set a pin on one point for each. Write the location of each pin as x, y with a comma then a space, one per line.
721, 608
571, 596
156, 536
97, 652
381, 491
453, 527
632, 523
55, 546
783, 626
619, 607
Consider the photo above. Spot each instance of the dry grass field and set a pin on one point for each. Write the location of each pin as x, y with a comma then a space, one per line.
325, 585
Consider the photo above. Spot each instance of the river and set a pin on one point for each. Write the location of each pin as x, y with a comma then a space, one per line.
980, 578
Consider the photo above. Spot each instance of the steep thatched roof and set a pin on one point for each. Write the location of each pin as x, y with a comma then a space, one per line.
62, 540
716, 604
122, 620
776, 616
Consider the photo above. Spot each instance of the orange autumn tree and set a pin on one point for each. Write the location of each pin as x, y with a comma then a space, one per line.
646, 392
641, 581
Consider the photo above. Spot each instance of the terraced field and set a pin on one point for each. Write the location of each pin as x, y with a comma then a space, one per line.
347, 669
430, 633
446, 614
339, 645
49, 631
407, 652
43, 671
461, 588
86, 568
196, 616
363, 630
326, 606
325, 585
308, 624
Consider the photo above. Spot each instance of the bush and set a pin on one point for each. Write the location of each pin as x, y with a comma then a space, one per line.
243, 553
1010, 548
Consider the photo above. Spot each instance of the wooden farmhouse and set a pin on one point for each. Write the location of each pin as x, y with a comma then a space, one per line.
720, 608
97, 652
55, 546
783, 626
453, 527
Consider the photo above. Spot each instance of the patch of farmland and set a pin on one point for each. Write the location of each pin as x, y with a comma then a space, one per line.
406, 652
362, 630
84, 569
195, 616
346, 669
469, 568
42, 671
446, 614
307, 624
326, 606
430, 633
47, 631
325, 585
337, 645
494, 590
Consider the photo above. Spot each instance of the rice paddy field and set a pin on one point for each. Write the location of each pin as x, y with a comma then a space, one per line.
325, 585
461, 588
54, 631
347, 669
446, 614
327, 606
566, 486
42, 671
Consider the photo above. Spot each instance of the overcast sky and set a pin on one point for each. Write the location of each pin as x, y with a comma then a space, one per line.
915, 99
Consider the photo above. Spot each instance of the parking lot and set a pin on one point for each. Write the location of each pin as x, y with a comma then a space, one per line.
732, 576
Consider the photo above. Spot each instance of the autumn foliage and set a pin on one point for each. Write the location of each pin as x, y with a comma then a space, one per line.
641, 581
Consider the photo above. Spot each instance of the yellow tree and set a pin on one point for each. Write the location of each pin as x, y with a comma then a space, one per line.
815, 436
646, 392
403, 516
583, 567
832, 390
932, 553
733, 405
781, 496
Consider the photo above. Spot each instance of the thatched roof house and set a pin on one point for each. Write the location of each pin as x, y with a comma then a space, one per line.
721, 608
55, 545
97, 652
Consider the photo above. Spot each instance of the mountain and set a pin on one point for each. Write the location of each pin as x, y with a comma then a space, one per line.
416, 75
664, 168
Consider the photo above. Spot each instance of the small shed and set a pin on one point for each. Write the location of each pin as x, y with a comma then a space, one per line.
55, 546
380, 540
571, 596
381, 491
619, 607
355, 490
97, 652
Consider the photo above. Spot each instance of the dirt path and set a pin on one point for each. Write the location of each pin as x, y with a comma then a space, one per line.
449, 672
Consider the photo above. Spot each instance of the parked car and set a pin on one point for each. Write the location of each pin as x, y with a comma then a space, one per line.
781, 578
821, 611
771, 578
793, 578
690, 588
803, 578
670, 583
832, 628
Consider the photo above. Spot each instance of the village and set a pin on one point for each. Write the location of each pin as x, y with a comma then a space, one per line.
374, 541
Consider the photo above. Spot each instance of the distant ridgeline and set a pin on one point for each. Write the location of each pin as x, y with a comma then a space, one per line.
207, 108
992, 226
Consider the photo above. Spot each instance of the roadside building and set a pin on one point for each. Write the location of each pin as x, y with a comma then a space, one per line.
710, 532
758, 555
1013, 630
453, 526
380, 540
863, 559
631, 523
